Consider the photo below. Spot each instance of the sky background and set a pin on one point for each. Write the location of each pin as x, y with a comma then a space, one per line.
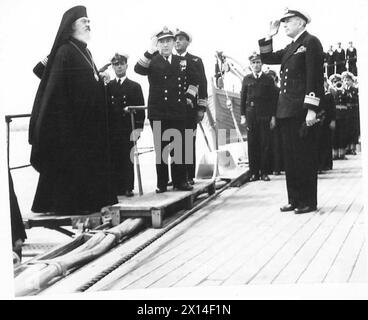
28, 28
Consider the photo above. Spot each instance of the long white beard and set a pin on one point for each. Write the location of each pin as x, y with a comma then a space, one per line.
84, 37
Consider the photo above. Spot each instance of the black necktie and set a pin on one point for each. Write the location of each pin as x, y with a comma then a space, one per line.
119, 81
167, 59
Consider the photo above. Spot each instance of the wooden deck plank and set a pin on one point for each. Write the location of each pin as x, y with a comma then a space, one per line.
132, 272
220, 252
359, 272
217, 231
242, 237
196, 269
304, 262
298, 251
315, 256
250, 264
170, 273
345, 260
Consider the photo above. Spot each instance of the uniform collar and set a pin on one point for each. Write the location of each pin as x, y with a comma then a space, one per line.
298, 35
122, 79
257, 75
169, 59
183, 54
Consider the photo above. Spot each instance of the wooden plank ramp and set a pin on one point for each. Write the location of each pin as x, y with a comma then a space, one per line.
243, 238
157, 206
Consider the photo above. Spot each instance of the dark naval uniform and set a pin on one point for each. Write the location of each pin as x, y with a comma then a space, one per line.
192, 119
121, 95
258, 104
330, 60
340, 61
340, 134
353, 125
167, 109
325, 133
301, 89
351, 57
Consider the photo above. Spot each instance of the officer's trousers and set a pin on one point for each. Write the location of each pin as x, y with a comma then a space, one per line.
168, 137
299, 144
259, 139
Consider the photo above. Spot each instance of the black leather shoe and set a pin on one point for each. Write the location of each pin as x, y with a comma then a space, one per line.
161, 190
265, 177
254, 177
184, 187
129, 193
191, 182
287, 207
305, 209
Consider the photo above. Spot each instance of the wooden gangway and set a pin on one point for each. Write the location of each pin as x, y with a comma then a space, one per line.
243, 238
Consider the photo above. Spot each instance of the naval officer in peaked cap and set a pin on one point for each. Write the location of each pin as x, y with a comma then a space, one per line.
298, 105
173, 86
196, 113
122, 93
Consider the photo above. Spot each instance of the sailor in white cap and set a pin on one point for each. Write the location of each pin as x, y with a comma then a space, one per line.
298, 105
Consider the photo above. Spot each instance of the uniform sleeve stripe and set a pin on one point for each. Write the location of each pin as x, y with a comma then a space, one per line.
266, 48
202, 102
312, 100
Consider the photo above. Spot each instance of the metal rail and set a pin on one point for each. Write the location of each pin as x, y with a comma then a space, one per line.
8, 119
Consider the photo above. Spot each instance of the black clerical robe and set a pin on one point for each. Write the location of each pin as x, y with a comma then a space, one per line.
69, 136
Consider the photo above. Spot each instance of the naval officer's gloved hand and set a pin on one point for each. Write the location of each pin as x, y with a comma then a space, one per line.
190, 103
153, 45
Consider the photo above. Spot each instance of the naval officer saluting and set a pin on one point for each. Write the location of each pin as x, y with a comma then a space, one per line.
298, 105
173, 84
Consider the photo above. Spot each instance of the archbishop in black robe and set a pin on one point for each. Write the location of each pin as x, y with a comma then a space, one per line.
69, 129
